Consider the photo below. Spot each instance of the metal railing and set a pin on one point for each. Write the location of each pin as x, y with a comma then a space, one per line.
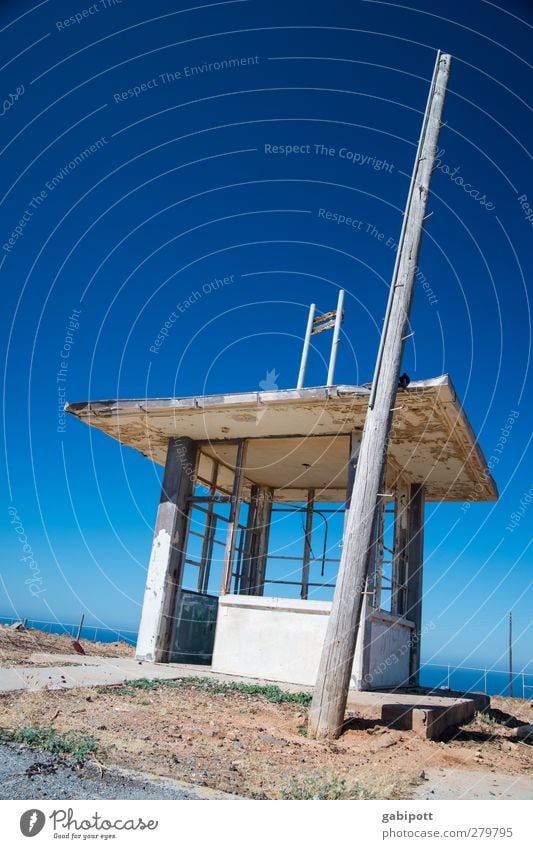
521, 689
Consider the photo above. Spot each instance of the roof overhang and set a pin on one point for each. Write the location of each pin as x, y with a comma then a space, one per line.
431, 441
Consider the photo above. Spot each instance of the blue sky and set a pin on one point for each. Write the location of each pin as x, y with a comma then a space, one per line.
137, 171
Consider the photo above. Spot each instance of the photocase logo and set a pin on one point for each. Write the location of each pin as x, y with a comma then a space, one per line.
270, 381
32, 822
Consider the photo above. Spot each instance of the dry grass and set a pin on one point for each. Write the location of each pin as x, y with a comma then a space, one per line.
17, 647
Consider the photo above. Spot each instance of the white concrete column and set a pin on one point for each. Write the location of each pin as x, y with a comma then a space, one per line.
256, 545
164, 569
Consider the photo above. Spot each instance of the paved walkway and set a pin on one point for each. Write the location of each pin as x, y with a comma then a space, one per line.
473, 784
86, 671
77, 671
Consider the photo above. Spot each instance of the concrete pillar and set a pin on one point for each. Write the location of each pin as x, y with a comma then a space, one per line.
415, 562
252, 581
265, 499
164, 569
233, 524
401, 535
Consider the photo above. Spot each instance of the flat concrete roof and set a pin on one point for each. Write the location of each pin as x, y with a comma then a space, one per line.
299, 437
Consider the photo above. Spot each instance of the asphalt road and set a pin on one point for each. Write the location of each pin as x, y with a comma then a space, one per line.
27, 773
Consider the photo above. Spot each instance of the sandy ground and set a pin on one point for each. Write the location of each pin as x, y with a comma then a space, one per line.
251, 747
17, 647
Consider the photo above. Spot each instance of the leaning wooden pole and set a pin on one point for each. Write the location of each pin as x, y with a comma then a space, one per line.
333, 679
511, 654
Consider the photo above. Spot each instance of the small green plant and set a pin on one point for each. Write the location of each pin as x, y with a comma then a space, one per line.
73, 743
486, 719
314, 787
151, 683
302, 730
268, 691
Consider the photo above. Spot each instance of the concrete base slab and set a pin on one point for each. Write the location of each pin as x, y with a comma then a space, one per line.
418, 697
428, 717
426, 712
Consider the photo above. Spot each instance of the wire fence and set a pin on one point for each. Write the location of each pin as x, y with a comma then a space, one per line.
493, 682
91, 633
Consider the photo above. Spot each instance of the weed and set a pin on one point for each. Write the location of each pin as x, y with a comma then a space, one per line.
486, 719
315, 787
302, 730
268, 691
73, 743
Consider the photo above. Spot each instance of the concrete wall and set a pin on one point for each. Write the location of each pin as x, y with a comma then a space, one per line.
281, 640
389, 651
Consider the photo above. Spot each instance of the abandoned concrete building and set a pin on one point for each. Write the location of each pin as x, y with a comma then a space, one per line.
248, 533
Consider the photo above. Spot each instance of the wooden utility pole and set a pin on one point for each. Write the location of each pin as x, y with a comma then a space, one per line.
511, 653
333, 680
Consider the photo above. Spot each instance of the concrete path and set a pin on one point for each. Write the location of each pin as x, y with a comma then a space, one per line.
447, 783
35, 774
98, 671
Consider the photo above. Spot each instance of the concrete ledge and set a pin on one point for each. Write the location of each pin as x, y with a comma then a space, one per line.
429, 720
286, 605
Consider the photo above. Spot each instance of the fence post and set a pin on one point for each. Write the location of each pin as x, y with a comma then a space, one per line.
449, 688
485, 682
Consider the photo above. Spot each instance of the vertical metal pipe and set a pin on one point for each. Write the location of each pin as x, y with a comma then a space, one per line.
304, 593
305, 350
335, 342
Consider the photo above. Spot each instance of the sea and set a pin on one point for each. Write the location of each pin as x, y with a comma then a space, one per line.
90, 633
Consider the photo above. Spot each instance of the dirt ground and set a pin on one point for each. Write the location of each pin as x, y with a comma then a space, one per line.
16, 647
244, 744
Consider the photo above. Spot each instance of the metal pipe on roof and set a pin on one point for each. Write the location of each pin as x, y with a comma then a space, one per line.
336, 336
305, 350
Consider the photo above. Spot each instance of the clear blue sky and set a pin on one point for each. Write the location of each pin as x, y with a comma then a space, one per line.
177, 189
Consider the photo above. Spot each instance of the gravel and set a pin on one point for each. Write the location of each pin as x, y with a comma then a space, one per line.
28, 773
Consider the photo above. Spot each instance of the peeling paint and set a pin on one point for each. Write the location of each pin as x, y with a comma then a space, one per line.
154, 596
432, 440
